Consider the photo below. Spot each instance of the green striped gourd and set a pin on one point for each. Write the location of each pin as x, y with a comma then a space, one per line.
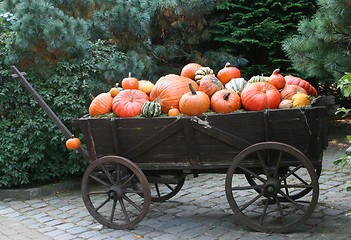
151, 109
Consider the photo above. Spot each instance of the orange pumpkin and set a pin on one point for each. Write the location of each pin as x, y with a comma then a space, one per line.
101, 104
73, 143
209, 84
259, 96
194, 103
173, 112
130, 82
292, 80
289, 90
129, 102
227, 73
169, 89
225, 100
189, 70
114, 90
276, 79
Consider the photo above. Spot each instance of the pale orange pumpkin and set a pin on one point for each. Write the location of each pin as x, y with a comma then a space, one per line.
130, 82
189, 70
145, 86
101, 104
169, 89
227, 73
276, 79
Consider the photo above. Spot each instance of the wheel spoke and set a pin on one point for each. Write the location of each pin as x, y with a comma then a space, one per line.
292, 172
278, 165
299, 178
280, 209
296, 186
157, 190
264, 167
132, 203
99, 180
169, 187
102, 204
118, 173
128, 180
292, 201
97, 192
264, 212
259, 187
252, 173
107, 174
243, 207
113, 210
124, 210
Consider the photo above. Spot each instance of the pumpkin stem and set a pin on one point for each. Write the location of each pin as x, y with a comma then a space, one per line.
276, 71
129, 74
227, 64
264, 90
131, 97
226, 96
192, 89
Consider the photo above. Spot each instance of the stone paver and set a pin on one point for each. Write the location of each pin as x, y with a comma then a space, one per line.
199, 211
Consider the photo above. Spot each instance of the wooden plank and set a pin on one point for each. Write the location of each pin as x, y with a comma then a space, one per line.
153, 140
190, 141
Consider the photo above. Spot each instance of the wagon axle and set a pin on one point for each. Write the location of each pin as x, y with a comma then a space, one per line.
271, 188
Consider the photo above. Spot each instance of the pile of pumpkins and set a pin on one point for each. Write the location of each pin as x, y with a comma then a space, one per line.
197, 90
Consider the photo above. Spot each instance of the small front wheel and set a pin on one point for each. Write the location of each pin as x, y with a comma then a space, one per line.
116, 192
269, 204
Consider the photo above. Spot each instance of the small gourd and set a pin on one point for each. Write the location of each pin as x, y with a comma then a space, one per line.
201, 72
237, 85
258, 78
151, 109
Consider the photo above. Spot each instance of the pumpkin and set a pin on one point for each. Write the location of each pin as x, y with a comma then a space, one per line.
237, 85
169, 89
209, 84
286, 103
73, 143
258, 78
225, 100
130, 82
289, 90
300, 100
129, 102
292, 80
151, 109
276, 79
145, 86
227, 73
201, 72
114, 90
101, 104
260, 95
194, 103
189, 70
173, 112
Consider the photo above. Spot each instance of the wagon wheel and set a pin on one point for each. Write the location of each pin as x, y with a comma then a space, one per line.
116, 192
260, 206
164, 187
296, 194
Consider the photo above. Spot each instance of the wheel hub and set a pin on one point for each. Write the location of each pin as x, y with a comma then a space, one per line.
271, 188
115, 193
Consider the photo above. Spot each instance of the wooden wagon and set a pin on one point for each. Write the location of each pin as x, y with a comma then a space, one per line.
137, 161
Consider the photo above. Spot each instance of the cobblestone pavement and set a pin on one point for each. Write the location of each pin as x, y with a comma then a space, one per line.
199, 211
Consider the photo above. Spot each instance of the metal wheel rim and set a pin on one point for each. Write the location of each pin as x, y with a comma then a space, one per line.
259, 225
117, 191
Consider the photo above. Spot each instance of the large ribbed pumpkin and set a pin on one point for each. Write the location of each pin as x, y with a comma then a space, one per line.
292, 80
129, 102
169, 89
259, 96
290, 90
101, 104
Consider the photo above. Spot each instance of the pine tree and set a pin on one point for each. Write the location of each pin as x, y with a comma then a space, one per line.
321, 48
256, 30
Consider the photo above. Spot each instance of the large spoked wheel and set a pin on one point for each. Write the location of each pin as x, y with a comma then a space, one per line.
164, 187
267, 205
116, 192
294, 195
